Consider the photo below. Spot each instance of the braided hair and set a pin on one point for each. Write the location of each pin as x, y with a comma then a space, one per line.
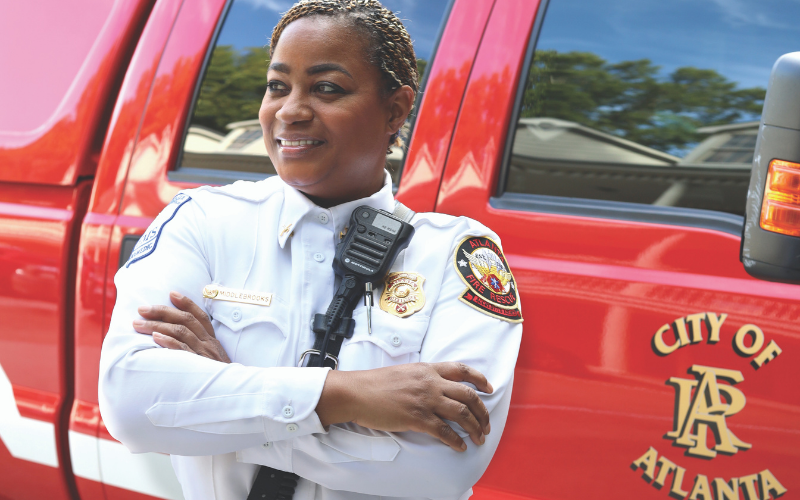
389, 45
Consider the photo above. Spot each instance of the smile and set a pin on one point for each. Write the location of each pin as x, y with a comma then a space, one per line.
304, 142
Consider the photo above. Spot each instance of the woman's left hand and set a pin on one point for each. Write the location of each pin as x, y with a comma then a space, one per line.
187, 328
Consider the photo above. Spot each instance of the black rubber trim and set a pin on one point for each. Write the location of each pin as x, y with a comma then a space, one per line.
517, 109
126, 249
620, 210
421, 90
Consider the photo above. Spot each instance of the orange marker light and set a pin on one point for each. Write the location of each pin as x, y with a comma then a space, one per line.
780, 212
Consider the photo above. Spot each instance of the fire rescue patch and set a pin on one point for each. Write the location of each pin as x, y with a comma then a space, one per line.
491, 288
147, 243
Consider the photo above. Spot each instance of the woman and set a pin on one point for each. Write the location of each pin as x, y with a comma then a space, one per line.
224, 396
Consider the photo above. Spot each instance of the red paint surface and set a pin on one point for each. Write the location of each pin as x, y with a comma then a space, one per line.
440, 104
590, 394
54, 107
37, 249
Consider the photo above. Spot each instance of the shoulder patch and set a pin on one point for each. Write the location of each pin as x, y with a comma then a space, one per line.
147, 243
491, 288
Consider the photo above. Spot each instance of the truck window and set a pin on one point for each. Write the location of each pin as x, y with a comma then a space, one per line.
223, 140
650, 103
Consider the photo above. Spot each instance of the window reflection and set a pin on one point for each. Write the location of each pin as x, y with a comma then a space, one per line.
647, 102
223, 141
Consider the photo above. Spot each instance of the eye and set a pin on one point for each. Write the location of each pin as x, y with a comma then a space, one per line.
276, 86
328, 88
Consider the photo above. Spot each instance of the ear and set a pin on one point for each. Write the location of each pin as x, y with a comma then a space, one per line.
400, 103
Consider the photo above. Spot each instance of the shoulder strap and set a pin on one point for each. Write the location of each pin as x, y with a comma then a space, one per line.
403, 212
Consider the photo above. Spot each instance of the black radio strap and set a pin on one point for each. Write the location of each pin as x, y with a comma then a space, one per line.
273, 484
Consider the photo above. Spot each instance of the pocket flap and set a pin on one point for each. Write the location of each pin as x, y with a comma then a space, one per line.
394, 335
236, 315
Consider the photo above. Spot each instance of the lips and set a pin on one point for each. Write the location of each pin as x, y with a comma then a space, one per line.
300, 142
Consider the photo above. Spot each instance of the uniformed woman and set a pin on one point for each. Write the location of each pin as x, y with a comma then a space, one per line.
214, 381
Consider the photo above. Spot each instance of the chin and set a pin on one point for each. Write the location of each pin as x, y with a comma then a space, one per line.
301, 175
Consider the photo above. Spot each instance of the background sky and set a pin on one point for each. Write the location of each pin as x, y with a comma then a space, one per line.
741, 39
250, 22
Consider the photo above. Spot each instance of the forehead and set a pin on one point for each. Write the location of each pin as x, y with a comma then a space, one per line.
318, 38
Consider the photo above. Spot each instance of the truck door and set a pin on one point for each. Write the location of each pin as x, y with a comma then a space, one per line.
186, 116
60, 65
609, 144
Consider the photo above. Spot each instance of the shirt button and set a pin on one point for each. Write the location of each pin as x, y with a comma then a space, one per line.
288, 411
323, 218
267, 445
237, 315
396, 340
319, 257
292, 427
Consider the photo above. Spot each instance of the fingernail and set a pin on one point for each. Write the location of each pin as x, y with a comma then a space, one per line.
463, 446
491, 389
144, 309
138, 322
483, 439
488, 428
176, 295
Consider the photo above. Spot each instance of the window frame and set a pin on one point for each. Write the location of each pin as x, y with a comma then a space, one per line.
587, 207
179, 173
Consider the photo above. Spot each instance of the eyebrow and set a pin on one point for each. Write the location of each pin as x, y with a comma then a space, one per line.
313, 70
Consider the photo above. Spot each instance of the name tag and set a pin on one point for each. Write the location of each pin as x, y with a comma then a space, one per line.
232, 295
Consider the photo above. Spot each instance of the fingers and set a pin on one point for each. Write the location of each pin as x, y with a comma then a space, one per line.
170, 343
179, 333
439, 429
170, 315
186, 304
460, 372
461, 414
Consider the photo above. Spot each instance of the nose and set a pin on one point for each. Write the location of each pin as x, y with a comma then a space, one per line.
294, 109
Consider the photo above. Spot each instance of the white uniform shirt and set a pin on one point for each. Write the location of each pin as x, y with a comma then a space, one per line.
221, 421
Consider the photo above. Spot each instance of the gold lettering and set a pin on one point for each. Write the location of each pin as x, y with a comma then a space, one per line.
683, 399
714, 324
666, 466
647, 462
725, 491
768, 354
749, 483
769, 484
697, 331
758, 340
680, 326
660, 345
701, 488
706, 409
677, 484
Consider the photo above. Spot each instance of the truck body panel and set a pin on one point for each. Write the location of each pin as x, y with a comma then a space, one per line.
626, 318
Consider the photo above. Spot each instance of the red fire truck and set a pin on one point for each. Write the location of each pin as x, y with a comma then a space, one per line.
609, 144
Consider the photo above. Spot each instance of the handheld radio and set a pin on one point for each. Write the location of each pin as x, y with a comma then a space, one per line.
373, 241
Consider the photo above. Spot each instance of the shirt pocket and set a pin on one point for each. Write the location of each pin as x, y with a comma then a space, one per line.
394, 341
251, 334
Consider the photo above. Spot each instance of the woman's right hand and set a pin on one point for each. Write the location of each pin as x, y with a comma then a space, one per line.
412, 397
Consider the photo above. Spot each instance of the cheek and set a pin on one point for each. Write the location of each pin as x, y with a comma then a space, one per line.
266, 117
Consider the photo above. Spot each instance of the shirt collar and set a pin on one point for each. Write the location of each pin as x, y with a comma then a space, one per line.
296, 205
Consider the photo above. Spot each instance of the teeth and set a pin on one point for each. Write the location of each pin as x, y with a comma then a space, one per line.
299, 143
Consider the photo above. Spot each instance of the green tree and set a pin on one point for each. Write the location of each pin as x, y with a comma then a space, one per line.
232, 88
630, 99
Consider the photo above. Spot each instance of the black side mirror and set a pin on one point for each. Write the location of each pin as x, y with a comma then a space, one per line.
771, 237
